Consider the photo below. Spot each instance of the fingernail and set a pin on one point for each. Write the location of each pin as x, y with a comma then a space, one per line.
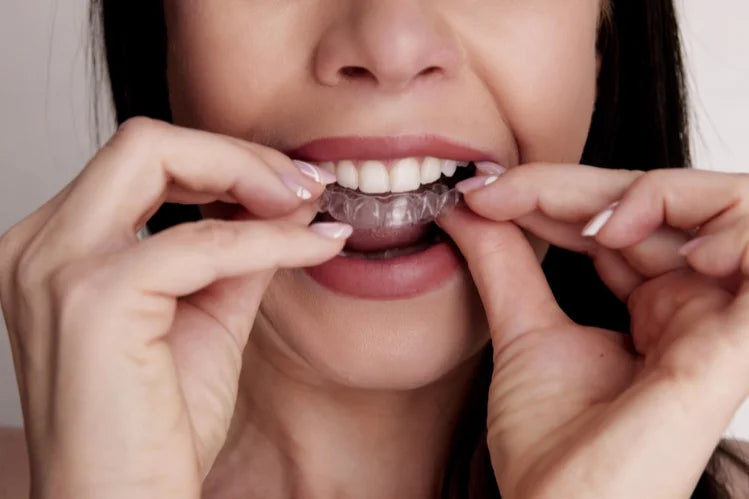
490, 168
692, 245
332, 230
300, 191
597, 223
475, 183
315, 172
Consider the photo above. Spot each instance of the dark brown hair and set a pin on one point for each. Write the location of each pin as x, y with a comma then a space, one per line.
640, 122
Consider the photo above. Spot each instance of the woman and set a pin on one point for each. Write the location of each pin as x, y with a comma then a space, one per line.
240, 357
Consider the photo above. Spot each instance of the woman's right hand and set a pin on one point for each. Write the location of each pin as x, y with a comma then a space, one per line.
128, 352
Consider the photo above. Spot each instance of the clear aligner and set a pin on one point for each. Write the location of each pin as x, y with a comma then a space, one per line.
390, 210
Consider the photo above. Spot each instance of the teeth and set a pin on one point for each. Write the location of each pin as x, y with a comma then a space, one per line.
431, 170
347, 174
449, 167
403, 175
373, 178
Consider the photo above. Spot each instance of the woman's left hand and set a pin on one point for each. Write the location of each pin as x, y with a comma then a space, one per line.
583, 412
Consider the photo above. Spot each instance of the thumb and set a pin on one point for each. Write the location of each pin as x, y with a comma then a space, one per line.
507, 274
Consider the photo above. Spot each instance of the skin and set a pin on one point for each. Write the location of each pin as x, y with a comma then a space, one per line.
242, 375
407, 363
392, 359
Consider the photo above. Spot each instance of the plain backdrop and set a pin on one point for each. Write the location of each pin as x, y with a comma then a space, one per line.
46, 128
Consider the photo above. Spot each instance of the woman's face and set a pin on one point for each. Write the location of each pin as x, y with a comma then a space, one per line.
515, 80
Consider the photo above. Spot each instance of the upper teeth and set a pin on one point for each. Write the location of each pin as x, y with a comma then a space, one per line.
407, 174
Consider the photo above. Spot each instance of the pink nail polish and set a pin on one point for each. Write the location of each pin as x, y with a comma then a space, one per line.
314, 172
490, 168
332, 230
597, 223
692, 245
294, 186
475, 183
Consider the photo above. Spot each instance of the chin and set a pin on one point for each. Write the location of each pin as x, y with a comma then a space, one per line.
374, 344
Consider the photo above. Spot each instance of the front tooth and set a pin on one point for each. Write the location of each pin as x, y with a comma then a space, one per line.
431, 170
373, 178
347, 174
448, 167
405, 175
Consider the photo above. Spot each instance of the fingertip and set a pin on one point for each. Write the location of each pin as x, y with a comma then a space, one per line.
332, 230
710, 256
316, 173
599, 221
499, 198
476, 183
619, 226
692, 245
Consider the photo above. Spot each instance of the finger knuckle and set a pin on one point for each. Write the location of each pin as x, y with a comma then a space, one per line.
11, 243
65, 280
7, 241
138, 132
7, 264
211, 233
653, 180
138, 125
29, 273
77, 283
630, 177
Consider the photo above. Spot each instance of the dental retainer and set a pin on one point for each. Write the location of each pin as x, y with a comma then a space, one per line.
389, 210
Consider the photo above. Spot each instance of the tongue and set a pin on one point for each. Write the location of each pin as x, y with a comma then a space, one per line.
365, 240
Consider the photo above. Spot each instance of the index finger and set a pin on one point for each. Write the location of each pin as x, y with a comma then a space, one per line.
133, 174
687, 199
564, 192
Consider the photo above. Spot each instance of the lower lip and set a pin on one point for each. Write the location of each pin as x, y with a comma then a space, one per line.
389, 279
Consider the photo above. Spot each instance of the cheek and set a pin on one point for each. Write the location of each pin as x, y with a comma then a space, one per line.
223, 64
540, 61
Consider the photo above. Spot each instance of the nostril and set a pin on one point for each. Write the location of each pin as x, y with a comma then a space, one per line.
356, 72
362, 73
432, 70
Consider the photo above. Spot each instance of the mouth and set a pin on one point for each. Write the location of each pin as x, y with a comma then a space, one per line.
392, 204
391, 190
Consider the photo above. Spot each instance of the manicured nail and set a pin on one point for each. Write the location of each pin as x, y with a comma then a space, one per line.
332, 230
692, 245
293, 185
475, 183
316, 173
490, 168
597, 223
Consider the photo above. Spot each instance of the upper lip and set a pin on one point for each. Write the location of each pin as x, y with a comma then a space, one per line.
386, 148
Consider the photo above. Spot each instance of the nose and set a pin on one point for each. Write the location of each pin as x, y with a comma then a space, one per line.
387, 43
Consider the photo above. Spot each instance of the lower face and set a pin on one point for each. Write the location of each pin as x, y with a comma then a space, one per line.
454, 81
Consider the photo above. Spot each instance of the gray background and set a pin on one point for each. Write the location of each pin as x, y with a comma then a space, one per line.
46, 131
